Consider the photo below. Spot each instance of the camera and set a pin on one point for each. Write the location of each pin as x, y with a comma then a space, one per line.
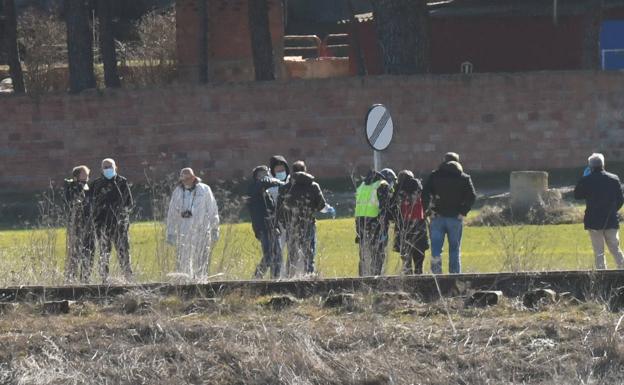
187, 214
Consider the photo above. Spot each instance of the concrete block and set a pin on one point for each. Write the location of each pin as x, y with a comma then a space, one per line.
342, 300
616, 300
56, 307
534, 298
484, 298
280, 302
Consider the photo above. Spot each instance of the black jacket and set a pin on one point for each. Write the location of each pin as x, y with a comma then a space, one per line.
261, 206
111, 200
78, 199
299, 200
602, 192
449, 191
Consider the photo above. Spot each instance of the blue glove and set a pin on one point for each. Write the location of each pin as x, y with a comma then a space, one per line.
587, 171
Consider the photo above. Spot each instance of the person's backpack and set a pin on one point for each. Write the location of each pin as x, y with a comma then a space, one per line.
412, 209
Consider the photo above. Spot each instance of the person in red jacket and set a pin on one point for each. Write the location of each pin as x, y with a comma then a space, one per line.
411, 239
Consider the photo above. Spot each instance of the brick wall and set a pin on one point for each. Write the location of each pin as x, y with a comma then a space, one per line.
495, 121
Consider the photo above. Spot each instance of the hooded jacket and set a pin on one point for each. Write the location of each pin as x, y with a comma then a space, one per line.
449, 191
299, 200
275, 161
261, 205
278, 160
603, 193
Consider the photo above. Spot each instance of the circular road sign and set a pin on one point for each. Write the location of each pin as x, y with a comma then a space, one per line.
379, 127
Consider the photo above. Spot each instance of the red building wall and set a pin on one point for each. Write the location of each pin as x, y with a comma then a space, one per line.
229, 45
493, 44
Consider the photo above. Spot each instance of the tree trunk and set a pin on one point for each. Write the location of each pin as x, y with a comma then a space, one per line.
404, 35
592, 21
203, 41
107, 44
261, 43
355, 41
10, 36
79, 45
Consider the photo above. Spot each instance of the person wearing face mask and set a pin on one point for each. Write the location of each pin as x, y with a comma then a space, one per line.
80, 239
192, 224
112, 204
278, 169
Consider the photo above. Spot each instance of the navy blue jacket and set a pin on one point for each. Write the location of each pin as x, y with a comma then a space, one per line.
602, 192
261, 205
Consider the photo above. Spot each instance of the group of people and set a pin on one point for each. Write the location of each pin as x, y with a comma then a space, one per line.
438, 207
99, 213
284, 201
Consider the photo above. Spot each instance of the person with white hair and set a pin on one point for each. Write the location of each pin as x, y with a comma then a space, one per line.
192, 225
112, 203
602, 192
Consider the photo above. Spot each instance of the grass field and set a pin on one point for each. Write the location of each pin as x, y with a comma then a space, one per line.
37, 256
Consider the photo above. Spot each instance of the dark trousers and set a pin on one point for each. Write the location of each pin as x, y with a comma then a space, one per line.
271, 254
114, 234
80, 250
411, 242
302, 247
373, 241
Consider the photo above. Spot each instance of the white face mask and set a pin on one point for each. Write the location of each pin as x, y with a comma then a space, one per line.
281, 175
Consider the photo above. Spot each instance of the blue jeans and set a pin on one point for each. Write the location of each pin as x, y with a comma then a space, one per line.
452, 228
302, 244
271, 255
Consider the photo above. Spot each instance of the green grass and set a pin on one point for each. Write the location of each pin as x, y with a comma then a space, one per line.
37, 256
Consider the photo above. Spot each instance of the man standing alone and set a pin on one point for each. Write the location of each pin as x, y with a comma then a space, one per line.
602, 193
112, 203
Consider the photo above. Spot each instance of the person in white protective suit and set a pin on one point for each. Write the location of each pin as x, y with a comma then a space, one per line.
192, 225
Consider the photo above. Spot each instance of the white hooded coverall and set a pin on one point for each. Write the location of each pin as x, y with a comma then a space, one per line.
195, 236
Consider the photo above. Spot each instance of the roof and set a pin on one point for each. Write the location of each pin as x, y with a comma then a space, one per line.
467, 8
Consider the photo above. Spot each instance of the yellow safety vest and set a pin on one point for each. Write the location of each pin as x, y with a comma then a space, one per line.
366, 200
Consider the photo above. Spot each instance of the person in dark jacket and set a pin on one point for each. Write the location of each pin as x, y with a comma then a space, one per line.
602, 193
112, 204
80, 238
372, 212
410, 225
449, 194
263, 221
299, 200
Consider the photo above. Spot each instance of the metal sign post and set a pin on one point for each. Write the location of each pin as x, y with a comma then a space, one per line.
379, 130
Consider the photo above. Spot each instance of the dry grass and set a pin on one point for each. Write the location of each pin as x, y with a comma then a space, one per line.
240, 341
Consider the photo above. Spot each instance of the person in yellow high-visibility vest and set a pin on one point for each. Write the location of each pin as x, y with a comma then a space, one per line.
372, 221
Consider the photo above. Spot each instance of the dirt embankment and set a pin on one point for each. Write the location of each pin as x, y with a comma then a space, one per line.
372, 339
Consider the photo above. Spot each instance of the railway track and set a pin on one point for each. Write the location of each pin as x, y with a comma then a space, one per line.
579, 284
